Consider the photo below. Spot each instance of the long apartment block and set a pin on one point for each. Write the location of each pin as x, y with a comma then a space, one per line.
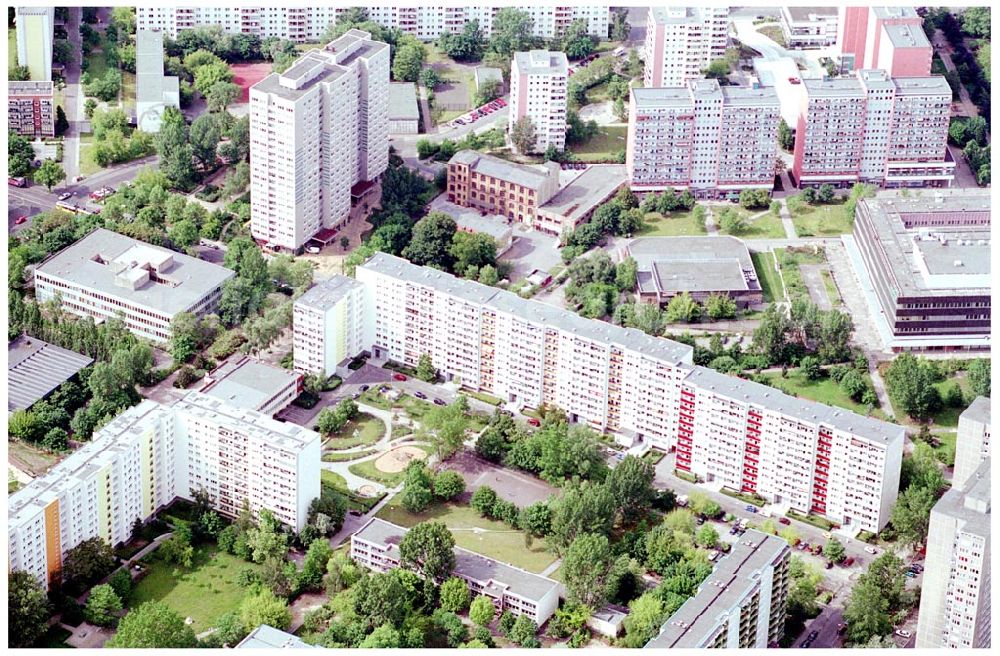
302, 24
318, 133
681, 42
107, 275
376, 546
31, 109
748, 436
538, 80
874, 128
150, 455
708, 139
742, 604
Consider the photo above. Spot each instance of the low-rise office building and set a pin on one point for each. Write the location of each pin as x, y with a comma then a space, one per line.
809, 27
376, 546
268, 637
404, 115
699, 266
742, 603
973, 442
107, 275
469, 220
35, 369
576, 202
497, 186
150, 455
955, 597
926, 260
254, 385
31, 109
326, 325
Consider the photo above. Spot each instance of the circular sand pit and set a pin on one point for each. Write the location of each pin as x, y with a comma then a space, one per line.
367, 490
396, 460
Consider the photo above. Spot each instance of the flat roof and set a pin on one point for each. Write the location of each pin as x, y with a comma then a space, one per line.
526, 175
150, 82
484, 73
403, 102
324, 295
700, 275
268, 637
494, 225
735, 576
971, 505
663, 15
943, 258
895, 12
906, 36
36, 368
541, 62
248, 422
921, 86
747, 391
978, 410
586, 191
248, 383
29, 88
467, 563
185, 280
841, 87
804, 14
656, 97
530, 310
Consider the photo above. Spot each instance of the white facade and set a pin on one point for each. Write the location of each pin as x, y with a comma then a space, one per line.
35, 31
809, 27
309, 23
973, 441
955, 604
147, 457
681, 42
317, 130
538, 82
327, 325
154, 91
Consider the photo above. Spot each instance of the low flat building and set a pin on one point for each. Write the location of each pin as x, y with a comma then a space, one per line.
246, 383
326, 325
376, 546
488, 73
741, 604
955, 606
36, 368
470, 220
497, 186
973, 442
608, 621
926, 262
700, 266
268, 637
107, 275
154, 91
809, 27
577, 201
31, 109
404, 115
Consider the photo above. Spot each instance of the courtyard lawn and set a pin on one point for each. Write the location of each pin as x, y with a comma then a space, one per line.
831, 288
946, 417
770, 283
824, 390
11, 47
87, 164
822, 220
363, 430
30, 457
344, 456
367, 469
374, 398
485, 536
767, 226
128, 91
204, 592
789, 262
603, 147
675, 224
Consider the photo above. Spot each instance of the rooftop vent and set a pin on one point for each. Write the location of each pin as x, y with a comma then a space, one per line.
958, 263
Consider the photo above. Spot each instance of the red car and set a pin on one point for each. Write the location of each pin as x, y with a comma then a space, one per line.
785, 521
399, 377
848, 562
794, 80
21, 219
534, 422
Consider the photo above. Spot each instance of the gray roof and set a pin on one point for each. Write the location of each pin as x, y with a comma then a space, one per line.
922, 86
324, 295
677, 264
467, 563
149, 80
978, 410
268, 637
526, 175
664, 15
484, 73
249, 422
541, 62
187, 281
907, 36
36, 368
403, 101
248, 383
592, 187
699, 275
531, 310
467, 218
749, 392
802, 14
662, 97
971, 505
29, 88
750, 97
841, 87
895, 12
735, 577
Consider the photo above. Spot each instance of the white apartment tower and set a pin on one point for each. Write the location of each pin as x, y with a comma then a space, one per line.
327, 323
683, 41
35, 32
538, 90
955, 599
709, 139
316, 131
973, 441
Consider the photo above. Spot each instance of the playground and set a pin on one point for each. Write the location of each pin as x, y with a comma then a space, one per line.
247, 75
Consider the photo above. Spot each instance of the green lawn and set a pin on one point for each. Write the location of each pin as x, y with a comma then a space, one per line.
603, 147
344, 456
97, 64
494, 539
34, 459
822, 220
946, 417
831, 288
204, 592
374, 398
13, 485
676, 224
363, 430
368, 470
824, 390
767, 226
11, 47
87, 164
770, 283
128, 90
790, 272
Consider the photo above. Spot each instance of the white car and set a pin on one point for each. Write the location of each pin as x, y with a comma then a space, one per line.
827, 535
312, 249
872, 550
903, 633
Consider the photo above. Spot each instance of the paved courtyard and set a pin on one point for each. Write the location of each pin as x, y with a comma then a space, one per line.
519, 488
531, 250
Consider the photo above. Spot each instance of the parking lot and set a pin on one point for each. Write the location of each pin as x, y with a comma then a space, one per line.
489, 110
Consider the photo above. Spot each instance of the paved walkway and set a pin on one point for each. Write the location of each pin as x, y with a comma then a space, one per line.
786, 220
943, 48
551, 568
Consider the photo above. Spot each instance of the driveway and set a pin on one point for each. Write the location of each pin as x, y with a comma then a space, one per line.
531, 250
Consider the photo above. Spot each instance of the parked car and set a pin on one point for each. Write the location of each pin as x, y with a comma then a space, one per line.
827, 535
813, 635
312, 249
64, 196
802, 546
750, 508
903, 633
828, 565
534, 422
21, 219
841, 628
419, 395
917, 568
794, 80
817, 549
700, 520
784, 520
364, 388
399, 377
440, 402
17, 182
849, 561
872, 550
910, 574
